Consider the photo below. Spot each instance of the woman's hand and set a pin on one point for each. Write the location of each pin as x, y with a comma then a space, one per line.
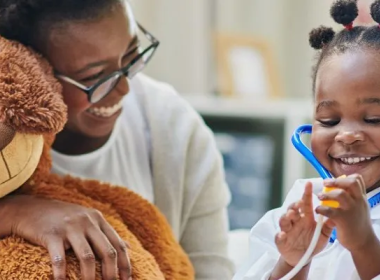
58, 226
351, 218
297, 229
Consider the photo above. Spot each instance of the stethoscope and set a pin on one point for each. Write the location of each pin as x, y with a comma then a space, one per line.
323, 172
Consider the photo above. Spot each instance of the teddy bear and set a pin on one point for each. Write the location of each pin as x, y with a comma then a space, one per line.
32, 111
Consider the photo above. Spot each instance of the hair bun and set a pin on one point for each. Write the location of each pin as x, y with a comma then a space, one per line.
344, 11
375, 11
320, 36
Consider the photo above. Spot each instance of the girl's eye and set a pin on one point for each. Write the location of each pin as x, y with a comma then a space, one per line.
328, 123
372, 121
93, 77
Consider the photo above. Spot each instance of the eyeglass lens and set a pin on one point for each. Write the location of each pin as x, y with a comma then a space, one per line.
104, 88
108, 85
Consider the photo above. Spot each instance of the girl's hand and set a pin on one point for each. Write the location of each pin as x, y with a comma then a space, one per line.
351, 218
58, 226
297, 229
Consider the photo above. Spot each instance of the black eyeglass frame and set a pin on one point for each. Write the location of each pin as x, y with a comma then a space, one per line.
121, 72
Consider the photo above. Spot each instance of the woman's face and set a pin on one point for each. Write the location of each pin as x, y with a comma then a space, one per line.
87, 51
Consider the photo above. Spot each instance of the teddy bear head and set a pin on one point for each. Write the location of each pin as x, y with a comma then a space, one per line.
32, 111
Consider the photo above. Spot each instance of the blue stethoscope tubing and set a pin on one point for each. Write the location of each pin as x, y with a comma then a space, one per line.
306, 152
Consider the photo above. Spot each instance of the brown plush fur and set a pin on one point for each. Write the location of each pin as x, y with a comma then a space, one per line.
29, 99
30, 102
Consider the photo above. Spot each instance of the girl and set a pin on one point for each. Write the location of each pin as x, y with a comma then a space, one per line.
150, 140
346, 140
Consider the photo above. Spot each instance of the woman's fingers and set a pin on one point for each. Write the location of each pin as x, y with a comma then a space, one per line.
56, 251
105, 251
123, 261
85, 255
68, 226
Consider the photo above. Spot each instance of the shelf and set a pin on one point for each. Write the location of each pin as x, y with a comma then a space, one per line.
276, 108
293, 112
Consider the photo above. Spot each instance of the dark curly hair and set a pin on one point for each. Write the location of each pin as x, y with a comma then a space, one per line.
26, 21
350, 38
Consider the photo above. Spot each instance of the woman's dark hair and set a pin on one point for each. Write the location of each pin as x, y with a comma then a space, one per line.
29, 20
350, 38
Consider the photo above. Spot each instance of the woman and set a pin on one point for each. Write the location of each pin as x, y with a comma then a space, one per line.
123, 128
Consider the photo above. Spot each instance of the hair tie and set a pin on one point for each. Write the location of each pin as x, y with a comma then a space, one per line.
350, 26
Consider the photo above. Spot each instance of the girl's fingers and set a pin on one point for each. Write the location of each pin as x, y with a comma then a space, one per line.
285, 223
341, 196
307, 200
353, 184
293, 215
280, 238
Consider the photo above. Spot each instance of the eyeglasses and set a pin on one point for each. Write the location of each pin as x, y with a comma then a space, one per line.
105, 85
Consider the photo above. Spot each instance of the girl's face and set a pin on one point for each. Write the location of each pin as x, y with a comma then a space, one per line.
86, 52
346, 126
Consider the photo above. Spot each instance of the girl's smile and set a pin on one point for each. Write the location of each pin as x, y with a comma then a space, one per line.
346, 127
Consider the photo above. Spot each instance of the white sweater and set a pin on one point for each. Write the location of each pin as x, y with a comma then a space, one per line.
177, 166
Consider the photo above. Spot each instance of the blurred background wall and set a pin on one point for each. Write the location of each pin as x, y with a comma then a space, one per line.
185, 29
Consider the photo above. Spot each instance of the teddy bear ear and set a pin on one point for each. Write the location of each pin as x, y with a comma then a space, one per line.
30, 96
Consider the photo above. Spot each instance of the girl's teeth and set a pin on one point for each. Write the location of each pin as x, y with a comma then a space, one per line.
355, 160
